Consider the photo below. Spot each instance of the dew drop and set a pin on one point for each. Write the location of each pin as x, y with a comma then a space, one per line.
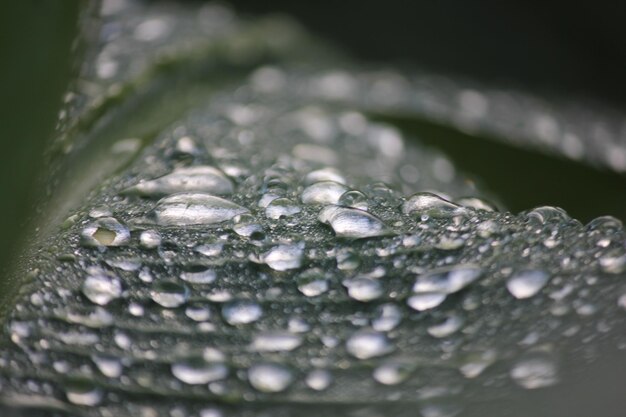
195, 208
354, 199
367, 344
324, 174
198, 371
149, 239
324, 192
312, 282
198, 312
269, 378
447, 280
352, 223
525, 284
83, 392
431, 205
281, 207
200, 276
109, 366
363, 289
319, 379
275, 341
476, 203
106, 231
169, 294
388, 317
535, 372
284, 257
101, 287
449, 326
392, 372
241, 312
187, 179
426, 301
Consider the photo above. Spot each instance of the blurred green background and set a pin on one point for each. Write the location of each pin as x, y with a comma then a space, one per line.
574, 50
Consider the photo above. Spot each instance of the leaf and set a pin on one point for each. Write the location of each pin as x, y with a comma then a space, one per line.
349, 270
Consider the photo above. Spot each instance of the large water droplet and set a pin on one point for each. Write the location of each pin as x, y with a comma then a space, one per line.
106, 231
198, 371
284, 257
100, 287
269, 377
525, 284
169, 294
324, 192
431, 205
476, 203
275, 341
354, 199
241, 312
195, 208
187, 179
324, 174
352, 223
366, 344
281, 207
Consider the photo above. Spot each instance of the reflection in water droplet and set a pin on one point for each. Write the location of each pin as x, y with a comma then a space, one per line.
319, 379
284, 257
187, 179
354, 199
106, 231
431, 205
363, 289
525, 284
269, 377
535, 372
169, 294
195, 208
352, 223
101, 287
198, 371
275, 341
366, 344
547, 214
241, 312
325, 192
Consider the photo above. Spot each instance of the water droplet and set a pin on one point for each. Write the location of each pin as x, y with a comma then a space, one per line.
101, 287
284, 257
363, 289
319, 379
354, 199
525, 284
613, 263
535, 372
149, 239
83, 392
198, 312
210, 249
547, 214
169, 294
325, 192
312, 282
197, 371
447, 280
106, 231
388, 317
324, 174
187, 179
366, 344
275, 341
199, 275
393, 372
195, 208
247, 225
449, 326
426, 301
431, 205
352, 223
241, 312
281, 207
269, 377
109, 366
476, 203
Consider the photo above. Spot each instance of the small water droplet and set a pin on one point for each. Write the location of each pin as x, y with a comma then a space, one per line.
363, 289
210, 249
547, 214
367, 344
352, 223
281, 207
354, 199
275, 341
269, 377
447, 327
106, 231
186, 179
169, 294
197, 371
195, 208
109, 366
426, 301
319, 379
393, 372
247, 225
388, 317
312, 282
100, 287
324, 192
284, 257
83, 392
199, 275
241, 312
198, 312
149, 239
431, 205
525, 284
